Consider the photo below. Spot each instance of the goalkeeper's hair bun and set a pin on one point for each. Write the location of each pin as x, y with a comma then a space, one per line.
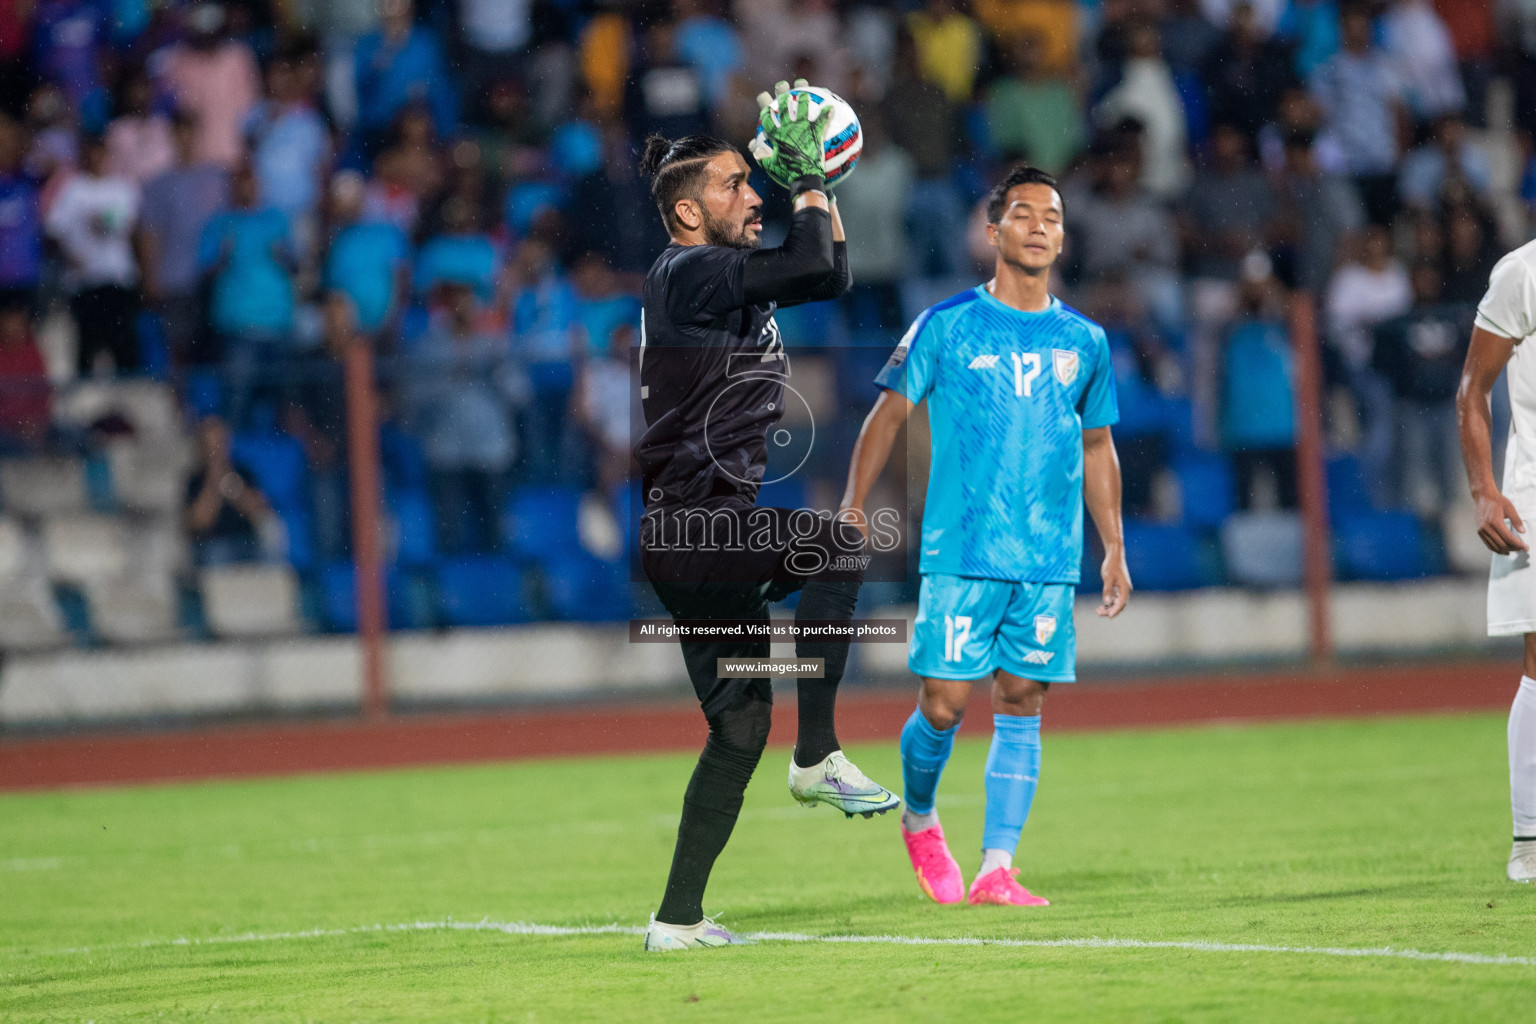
656, 149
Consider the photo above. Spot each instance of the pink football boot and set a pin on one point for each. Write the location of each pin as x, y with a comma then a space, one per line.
937, 871
999, 887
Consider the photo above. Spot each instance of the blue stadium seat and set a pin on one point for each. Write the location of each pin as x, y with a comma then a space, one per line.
154, 349
1090, 581
1143, 409
806, 326
628, 510
203, 391
1208, 488
786, 493
877, 338
1196, 101
1179, 418
74, 612
277, 462
1347, 490
481, 590
857, 364
408, 605
1163, 557
1263, 549
1378, 546
415, 531
414, 323
541, 521
99, 492
405, 464
582, 588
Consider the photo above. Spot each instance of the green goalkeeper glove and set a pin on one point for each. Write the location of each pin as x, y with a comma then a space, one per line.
791, 144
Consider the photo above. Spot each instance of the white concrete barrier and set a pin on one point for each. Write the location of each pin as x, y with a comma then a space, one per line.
540, 661
1236, 625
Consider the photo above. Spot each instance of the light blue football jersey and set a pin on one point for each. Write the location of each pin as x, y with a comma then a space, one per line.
1009, 395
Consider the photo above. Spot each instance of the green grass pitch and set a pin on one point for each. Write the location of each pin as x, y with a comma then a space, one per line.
1356, 835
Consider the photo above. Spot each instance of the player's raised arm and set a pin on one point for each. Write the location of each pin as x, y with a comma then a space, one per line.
841, 279
812, 263
1498, 524
1101, 492
871, 452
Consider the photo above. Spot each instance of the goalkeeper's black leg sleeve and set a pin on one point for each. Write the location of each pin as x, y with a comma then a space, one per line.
712, 803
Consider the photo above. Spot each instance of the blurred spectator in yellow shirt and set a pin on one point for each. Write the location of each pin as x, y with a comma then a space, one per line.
604, 57
1054, 21
948, 48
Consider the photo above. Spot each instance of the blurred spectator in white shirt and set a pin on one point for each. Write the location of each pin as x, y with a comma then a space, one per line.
1147, 94
93, 218
1361, 94
1417, 39
1365, 291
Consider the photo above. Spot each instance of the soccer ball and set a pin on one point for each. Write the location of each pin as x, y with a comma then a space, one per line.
843, 139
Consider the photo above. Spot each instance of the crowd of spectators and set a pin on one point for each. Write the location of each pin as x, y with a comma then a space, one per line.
222, 194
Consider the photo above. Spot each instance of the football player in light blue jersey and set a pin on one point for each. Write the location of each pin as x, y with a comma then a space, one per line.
1021, 396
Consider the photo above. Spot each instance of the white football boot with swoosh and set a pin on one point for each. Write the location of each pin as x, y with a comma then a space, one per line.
838, 781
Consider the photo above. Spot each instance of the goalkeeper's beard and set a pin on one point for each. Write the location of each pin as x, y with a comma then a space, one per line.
720, 232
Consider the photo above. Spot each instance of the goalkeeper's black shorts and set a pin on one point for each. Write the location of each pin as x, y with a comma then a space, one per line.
729, 561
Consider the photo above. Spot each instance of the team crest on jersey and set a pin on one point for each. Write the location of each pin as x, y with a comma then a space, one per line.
1045, 628
983, 363
1064, 363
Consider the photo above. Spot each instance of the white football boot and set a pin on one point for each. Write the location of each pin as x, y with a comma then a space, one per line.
1522, 861
661, 937
837, 781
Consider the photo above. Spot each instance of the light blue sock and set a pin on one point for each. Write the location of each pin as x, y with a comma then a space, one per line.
924, 751
1013, 769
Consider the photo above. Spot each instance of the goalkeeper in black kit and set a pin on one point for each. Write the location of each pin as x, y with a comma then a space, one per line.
713, 377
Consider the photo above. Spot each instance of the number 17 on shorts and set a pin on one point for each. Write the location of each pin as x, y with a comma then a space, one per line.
966, 627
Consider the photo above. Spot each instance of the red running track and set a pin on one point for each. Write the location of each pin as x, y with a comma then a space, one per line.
627, 727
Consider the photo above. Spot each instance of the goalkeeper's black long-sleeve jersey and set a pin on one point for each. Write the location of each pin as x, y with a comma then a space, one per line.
712, 363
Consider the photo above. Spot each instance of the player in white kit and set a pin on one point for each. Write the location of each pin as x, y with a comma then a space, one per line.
1506, 320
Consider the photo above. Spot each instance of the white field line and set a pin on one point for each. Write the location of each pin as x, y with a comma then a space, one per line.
525, 928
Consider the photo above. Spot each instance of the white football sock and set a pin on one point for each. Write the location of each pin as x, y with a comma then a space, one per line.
917, 822
993, 859
1522, 758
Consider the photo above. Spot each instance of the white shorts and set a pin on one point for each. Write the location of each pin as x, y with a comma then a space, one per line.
1512, 595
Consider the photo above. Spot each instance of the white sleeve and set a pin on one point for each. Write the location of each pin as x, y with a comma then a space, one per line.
1508, 308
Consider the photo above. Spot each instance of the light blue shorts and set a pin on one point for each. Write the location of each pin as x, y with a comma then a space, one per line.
967, 627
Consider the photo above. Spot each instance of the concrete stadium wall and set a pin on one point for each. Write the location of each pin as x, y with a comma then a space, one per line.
551, 661
1227, 625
